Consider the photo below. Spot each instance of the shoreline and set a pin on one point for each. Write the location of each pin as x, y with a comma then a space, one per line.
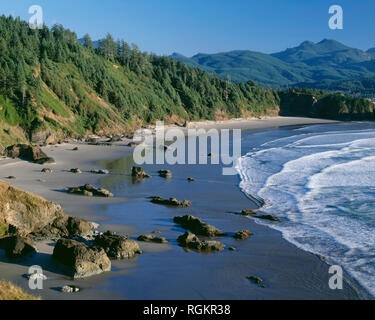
86, 158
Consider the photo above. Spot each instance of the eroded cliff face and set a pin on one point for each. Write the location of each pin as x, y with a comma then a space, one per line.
27, 212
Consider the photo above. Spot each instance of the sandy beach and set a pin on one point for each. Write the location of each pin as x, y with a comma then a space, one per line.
167, 271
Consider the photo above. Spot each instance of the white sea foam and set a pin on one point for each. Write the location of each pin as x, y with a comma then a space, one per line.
322, 186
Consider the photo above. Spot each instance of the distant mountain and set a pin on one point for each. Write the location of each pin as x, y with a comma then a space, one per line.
329, 52
247, 65
307, 63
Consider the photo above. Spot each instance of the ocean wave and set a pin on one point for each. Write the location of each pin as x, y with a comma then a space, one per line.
322, 186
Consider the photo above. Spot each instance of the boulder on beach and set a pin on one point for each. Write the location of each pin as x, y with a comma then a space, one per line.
79, 227
17, 246
90, 191
242, 235
165, 174
116, 246
138, 172
65, 226
28, 153
80, 260
191, 241
152, 238
171, 202
197, 226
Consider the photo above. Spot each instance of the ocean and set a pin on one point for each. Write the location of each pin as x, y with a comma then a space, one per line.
320, 181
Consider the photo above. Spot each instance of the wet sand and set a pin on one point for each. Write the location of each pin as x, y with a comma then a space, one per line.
167, 271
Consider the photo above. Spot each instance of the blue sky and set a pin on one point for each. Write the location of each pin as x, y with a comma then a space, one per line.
208, 26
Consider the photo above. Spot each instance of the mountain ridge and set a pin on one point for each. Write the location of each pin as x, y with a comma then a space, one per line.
308, 62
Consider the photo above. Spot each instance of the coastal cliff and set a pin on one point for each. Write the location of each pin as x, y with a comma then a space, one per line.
25, 211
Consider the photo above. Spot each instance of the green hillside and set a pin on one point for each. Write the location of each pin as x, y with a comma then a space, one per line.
51, 82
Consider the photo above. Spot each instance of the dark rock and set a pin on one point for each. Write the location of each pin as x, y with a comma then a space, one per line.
242, 235
75, 149
47, 170
255, 279
197, 226
99, 171
89, 190
171, 202
191, 241
78, 226
75, 170
152, 238
82, 261
117, 247
28, 153
165, 174
65, 226
268, 217
58, 228
17, 246
138, 172
248, 213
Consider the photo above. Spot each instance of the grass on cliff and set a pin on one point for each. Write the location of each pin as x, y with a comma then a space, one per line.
3, 228
9, 291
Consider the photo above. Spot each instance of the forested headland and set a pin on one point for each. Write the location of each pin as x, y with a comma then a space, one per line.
51, 82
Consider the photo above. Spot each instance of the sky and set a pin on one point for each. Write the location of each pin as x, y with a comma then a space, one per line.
207, 26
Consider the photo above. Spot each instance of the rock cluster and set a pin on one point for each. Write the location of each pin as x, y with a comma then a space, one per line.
90, 191
197, 226
242, 235
171, 202
191, 241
